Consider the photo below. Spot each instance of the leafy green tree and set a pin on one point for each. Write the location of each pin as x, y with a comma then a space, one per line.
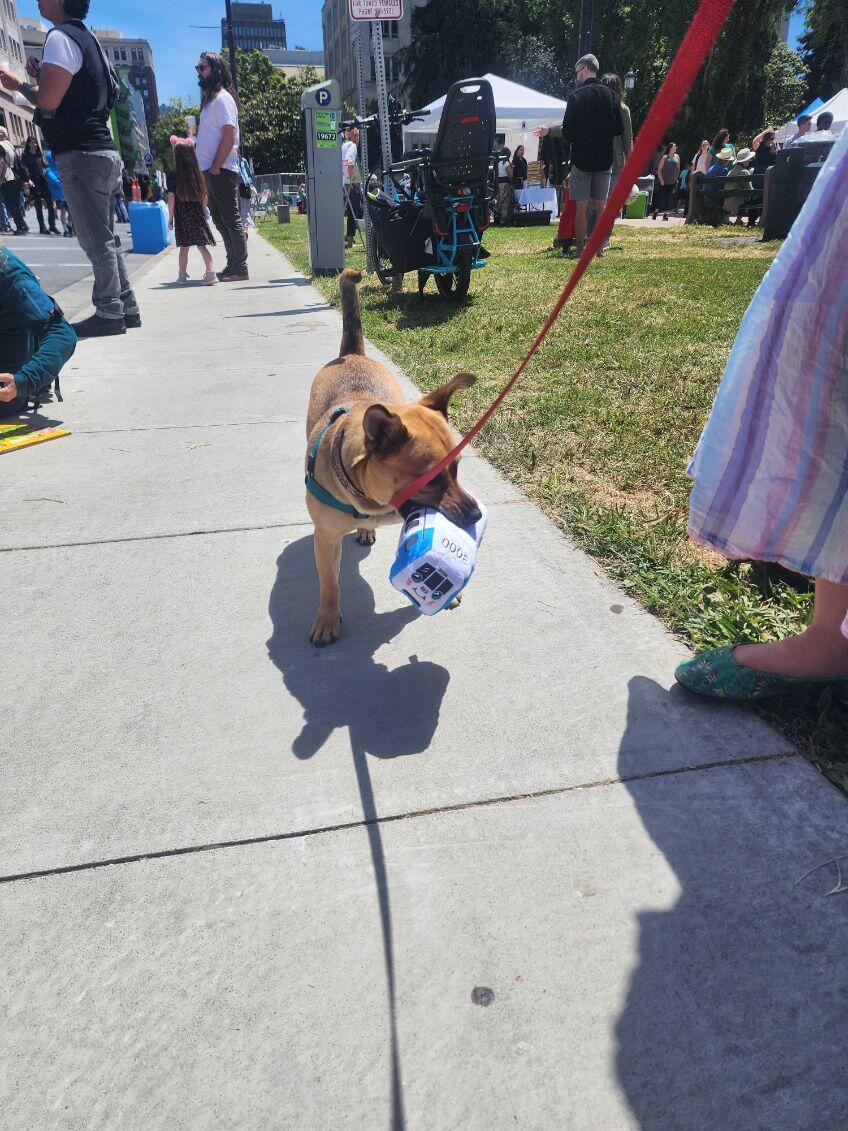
172, 120
786, 85
824, 47
270, 118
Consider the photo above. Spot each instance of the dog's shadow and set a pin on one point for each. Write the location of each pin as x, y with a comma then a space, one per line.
388, 712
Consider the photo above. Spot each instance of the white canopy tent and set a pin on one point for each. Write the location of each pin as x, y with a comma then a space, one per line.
519, 110
838, 106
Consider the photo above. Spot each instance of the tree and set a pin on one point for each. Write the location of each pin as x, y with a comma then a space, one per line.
824, 47
172, 120
786, 85
270, 120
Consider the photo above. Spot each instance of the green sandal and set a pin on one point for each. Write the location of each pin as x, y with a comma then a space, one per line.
716, 674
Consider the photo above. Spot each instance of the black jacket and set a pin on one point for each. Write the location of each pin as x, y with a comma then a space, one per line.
592, 119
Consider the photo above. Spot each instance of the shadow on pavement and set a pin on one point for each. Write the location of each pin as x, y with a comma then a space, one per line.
738, 1004
387, 713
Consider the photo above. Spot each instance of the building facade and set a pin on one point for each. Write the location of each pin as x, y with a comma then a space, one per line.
15, 115
339, 48
291, 62
254, 28
135, 56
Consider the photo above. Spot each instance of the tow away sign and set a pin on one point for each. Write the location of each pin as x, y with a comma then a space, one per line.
375, 9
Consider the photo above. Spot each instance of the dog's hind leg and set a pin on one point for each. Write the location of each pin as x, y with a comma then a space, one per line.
366, 537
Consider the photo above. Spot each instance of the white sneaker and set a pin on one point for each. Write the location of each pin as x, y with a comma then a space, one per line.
210, 278
182, 276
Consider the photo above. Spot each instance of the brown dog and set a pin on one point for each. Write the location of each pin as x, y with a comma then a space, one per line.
367, 453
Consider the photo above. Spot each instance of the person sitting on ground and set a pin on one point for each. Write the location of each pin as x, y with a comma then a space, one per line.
769, 469
187, 209
805, 124
735, 205
668, 173
719, 169
822, 132
35, 339
591, 121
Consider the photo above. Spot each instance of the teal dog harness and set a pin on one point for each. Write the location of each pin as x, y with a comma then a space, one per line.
315, 488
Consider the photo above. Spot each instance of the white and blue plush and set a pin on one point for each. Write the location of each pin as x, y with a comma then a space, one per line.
435, 558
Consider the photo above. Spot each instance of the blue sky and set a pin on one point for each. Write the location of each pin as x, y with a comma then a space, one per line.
176, 44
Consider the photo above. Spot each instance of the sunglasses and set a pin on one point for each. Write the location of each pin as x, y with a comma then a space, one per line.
202, 67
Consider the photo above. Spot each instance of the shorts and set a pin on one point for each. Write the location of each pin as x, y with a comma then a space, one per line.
588, 186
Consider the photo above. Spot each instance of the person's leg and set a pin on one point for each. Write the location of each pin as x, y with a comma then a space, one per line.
51, 210
182, 259
12, 199
223, 202
39, 211
581, 223
88, 180
205, 256
818, 652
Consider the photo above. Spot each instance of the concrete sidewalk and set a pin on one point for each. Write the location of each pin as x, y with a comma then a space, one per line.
247, 883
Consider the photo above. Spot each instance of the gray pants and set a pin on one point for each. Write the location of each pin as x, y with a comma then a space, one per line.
224, 206
90, 182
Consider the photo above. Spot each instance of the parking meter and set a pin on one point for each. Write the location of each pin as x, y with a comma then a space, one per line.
322, 112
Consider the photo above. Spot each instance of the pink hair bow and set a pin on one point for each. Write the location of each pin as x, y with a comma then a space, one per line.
173, 139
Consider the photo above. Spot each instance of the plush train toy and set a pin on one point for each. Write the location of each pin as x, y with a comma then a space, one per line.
435, 558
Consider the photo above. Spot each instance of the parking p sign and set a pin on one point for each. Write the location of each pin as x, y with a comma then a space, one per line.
375, 9
322, 96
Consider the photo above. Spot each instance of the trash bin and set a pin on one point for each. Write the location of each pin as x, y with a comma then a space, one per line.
791, 178
149, 226
283, 214
638, 208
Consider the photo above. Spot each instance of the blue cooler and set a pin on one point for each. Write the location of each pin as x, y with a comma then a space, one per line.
149, 226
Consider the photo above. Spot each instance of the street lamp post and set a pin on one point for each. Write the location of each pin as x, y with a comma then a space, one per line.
231, 43
629, 81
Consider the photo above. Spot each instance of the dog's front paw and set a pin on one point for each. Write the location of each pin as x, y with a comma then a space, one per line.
326, 628
366, 537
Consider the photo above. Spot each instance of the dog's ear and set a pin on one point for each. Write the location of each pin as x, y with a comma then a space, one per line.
439, 399
385, 432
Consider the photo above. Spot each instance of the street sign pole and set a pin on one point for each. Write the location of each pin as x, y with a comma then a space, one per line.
382, 100
362, 34
231, 43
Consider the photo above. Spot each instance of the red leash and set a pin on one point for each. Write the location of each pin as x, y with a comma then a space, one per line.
702, 33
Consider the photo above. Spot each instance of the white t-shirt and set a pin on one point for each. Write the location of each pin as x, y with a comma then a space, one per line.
61, 50
220, 112
349, 155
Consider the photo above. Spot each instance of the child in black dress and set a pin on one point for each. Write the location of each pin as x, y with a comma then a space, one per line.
187, 207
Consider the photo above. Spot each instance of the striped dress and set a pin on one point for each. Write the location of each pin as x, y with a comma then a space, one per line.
771, 468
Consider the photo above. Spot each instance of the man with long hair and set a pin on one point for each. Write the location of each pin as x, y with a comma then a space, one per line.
74, 90
217, 154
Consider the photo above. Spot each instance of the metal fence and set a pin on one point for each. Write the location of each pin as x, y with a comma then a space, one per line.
283, 186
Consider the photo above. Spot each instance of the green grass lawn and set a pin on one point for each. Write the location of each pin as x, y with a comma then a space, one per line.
600, 427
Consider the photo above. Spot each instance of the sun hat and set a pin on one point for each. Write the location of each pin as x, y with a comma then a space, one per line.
725, 154
744, 155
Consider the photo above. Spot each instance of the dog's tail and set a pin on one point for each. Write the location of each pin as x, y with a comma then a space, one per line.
352, 339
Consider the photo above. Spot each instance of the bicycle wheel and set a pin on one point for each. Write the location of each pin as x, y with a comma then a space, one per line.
455, 286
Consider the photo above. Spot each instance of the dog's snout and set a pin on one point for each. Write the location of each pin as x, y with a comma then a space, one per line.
472, 513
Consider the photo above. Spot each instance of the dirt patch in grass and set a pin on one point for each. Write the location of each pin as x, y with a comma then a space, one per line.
600, 428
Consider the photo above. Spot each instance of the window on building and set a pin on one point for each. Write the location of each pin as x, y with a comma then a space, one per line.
123, 54
116, 53
390, 29
4, 47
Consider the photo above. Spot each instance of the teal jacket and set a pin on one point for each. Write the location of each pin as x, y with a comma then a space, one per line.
35, 339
